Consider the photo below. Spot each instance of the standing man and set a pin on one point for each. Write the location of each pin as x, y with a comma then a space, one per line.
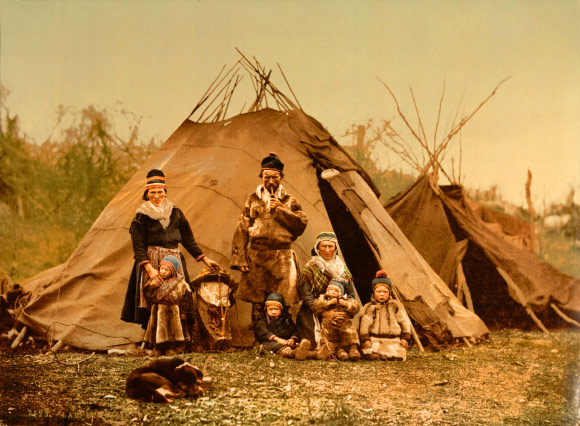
270, 221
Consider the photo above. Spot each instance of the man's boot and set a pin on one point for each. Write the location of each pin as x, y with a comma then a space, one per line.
321, 354
302, 350
341, 354
353, 353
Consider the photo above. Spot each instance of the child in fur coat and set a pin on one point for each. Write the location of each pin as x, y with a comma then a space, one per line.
385, 328
337, 312
165, 332
276, 331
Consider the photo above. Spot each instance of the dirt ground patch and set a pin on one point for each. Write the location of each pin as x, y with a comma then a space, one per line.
514, 378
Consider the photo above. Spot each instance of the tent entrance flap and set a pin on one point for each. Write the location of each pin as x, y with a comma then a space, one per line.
385, 242
354, 247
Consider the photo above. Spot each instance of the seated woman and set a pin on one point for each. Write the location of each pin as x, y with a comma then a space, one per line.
385, 328
324, 266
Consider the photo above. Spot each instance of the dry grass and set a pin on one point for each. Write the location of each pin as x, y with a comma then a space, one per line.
515, 378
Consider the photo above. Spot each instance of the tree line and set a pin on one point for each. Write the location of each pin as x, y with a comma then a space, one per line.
51, 192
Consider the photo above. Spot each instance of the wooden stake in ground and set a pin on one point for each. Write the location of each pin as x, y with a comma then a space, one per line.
521, 298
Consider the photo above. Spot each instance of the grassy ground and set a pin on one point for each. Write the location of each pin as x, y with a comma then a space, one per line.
515, 378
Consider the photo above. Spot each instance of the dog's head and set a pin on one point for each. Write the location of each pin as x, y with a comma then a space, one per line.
189, 379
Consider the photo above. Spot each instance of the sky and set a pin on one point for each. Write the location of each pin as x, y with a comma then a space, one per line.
157, 58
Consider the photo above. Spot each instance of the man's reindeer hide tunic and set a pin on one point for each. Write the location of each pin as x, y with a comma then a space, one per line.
262, 242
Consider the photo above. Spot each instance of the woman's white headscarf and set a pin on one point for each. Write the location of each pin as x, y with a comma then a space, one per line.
334, 266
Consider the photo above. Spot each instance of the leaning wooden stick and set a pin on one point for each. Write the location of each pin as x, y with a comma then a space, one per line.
522, 299
19, 338
564, 316
413, 332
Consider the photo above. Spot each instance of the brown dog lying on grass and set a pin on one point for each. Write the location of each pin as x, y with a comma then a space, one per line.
164, 380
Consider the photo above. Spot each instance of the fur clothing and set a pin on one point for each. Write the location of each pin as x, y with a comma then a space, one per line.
339, 333
151, 242
384, 325
313, 282
266, 328
165, 321
262, 242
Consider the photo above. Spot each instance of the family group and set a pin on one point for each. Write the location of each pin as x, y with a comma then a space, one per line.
330, 322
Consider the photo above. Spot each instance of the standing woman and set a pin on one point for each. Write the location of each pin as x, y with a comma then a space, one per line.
324, 266
156, 231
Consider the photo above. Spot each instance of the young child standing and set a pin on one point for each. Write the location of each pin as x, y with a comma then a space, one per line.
337, 312
165, 333
385, 328
276, 331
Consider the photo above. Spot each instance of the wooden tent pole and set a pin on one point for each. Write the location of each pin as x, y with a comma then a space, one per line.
463, 288
57, 346
413, 332
521, 298
19, 338
564, 316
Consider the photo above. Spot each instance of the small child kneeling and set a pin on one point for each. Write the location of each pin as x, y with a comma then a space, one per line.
385, 328
276, 332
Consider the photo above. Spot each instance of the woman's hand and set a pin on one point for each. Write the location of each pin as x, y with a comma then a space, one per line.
244, 269
151, 271
210, 263
339, 317
404, 343
156, 281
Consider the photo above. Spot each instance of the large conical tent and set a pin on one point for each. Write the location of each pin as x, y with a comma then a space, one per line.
501, 278
212, 163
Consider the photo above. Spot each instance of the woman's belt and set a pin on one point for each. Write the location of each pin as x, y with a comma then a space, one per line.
165, 245
261, 246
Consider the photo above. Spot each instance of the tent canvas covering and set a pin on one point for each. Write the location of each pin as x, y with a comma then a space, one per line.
458, 245
211, 168
212, 164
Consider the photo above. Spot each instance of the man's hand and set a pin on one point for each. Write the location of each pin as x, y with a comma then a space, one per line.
291, 343
404, 343
274, 203
244, 269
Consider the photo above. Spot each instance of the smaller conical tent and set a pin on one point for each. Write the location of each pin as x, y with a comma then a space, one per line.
212, 163
504, 284
502, 279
